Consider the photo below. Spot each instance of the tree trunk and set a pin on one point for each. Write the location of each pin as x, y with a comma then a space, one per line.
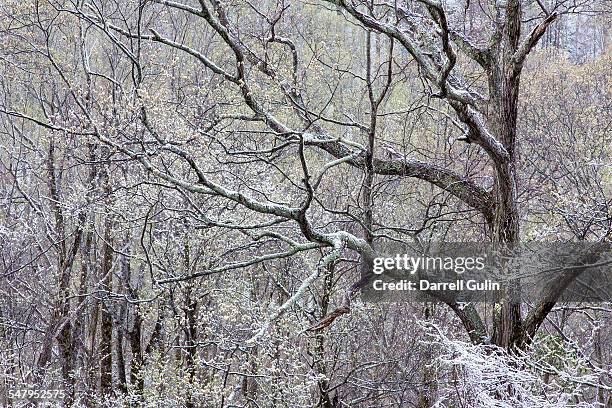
121, 373
504, 82
60, 327
190, 311
106, 318
135, 336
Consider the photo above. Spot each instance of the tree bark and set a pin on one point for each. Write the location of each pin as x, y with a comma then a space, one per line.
106, 318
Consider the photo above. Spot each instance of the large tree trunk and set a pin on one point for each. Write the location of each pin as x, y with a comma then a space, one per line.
504, 82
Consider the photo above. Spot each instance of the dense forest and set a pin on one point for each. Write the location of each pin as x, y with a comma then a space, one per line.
190, 192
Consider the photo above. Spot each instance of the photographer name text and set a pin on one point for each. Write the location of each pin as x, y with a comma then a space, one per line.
425, 285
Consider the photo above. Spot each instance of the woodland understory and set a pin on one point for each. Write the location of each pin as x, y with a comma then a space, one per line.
188, 190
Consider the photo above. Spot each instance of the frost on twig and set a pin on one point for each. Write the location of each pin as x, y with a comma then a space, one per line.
488, 376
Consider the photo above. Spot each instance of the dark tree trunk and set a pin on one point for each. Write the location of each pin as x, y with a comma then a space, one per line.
504, 82
137, 357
